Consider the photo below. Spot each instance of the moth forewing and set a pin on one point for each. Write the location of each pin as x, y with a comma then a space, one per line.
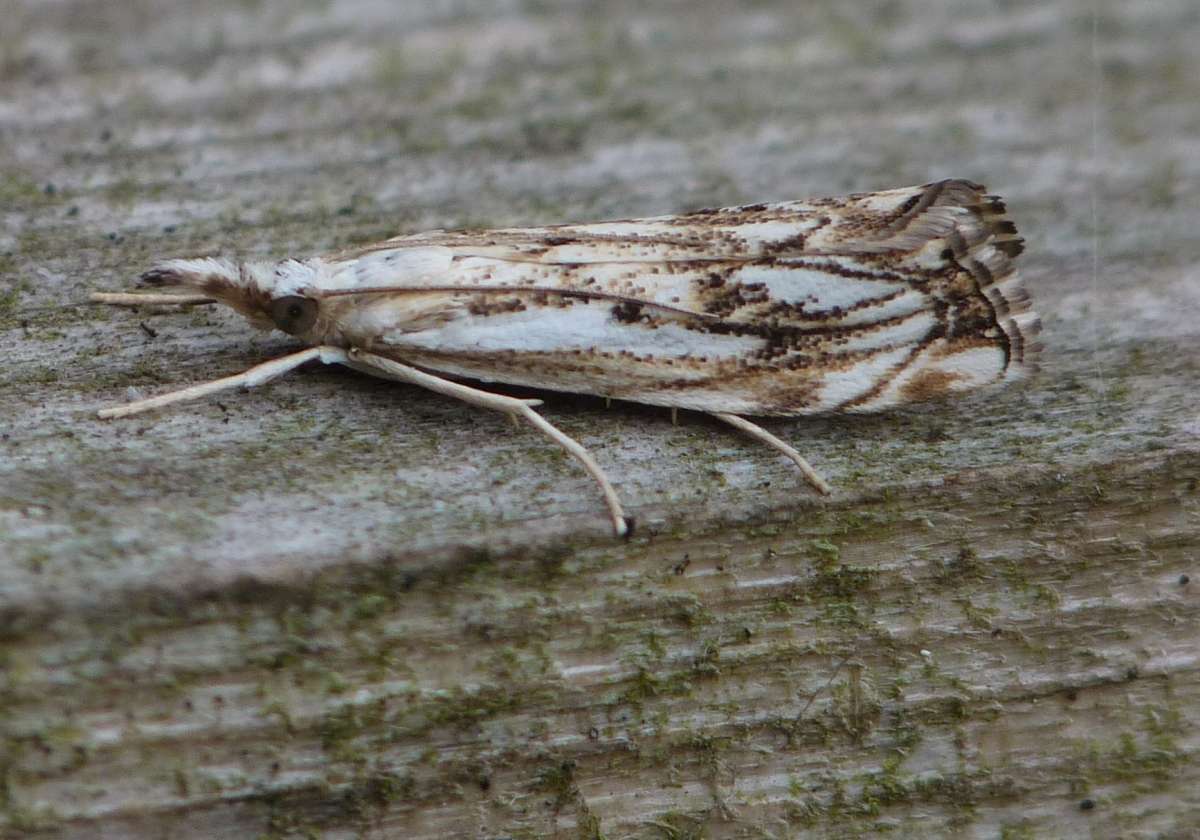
850, 304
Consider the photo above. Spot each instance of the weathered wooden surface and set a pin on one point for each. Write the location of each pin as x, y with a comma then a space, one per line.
337, 606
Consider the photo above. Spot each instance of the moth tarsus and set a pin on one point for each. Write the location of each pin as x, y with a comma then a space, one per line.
834, 305
630, 528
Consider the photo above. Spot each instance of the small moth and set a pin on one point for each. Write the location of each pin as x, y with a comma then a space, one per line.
849, 304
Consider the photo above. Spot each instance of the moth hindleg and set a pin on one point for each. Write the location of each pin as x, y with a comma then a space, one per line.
760, 434
517, 408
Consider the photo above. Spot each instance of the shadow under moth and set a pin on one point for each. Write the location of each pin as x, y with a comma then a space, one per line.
850, 304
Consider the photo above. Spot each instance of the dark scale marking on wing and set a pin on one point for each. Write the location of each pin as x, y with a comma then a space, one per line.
627, 312
789, 311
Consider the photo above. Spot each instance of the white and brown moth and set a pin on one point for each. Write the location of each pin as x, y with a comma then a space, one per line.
850, 304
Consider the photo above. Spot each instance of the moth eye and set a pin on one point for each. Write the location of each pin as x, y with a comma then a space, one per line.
294, 314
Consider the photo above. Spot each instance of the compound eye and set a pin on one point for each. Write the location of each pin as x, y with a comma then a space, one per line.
294, 314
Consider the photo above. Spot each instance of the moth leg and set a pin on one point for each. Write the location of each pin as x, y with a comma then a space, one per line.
517, 408
256, 375
760, 434
147, 299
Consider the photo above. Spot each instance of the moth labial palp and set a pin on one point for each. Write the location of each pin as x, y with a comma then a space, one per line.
837, 305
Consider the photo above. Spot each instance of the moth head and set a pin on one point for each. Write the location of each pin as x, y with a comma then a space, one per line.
269, 295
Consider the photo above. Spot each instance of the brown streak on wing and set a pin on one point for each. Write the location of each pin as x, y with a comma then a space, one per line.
883, 383
928, 385
709, 322
581, 294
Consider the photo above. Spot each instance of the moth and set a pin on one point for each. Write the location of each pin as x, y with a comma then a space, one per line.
831, 305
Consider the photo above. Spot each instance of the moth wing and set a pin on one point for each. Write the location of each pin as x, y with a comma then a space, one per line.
847, 304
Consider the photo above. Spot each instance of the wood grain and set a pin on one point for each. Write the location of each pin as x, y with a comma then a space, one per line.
341, 607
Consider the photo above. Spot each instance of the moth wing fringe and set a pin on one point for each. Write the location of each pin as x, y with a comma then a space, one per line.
991, 262
985, 242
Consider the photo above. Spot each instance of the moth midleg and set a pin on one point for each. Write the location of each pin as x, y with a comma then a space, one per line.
519, 408
256, 375
760, 434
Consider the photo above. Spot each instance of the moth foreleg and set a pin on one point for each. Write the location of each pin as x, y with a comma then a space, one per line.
517, 408
148, 299
256, 375
760, 434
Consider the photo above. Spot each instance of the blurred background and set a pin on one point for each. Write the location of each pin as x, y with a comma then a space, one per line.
287, 127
